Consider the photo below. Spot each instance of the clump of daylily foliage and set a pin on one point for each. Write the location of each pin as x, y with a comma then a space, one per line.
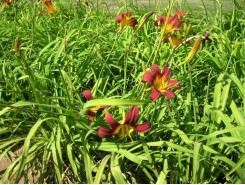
173, 30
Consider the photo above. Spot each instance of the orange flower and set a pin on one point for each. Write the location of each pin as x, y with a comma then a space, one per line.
126, 20
50, 8
6, 3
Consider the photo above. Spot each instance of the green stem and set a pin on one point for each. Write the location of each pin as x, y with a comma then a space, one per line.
15, 18
105, 62
163, 31
191, 91
220, 16
66, 87
170, 56
33, 26
69, 65
126, 65
148, 154
205, 9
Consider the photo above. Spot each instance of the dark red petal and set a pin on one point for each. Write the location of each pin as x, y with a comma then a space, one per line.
128, 14
166, 73
142, 128
148, 77
105, 132
133, 22
132, 116
87, 94
178, 86
166, 40
155, 69
154, 94
162, 19
180, 13
182, 22
156, 22
91, 113
169, 94
174, 20
90, 119
119, 17
174, 83
111, 121
104, 107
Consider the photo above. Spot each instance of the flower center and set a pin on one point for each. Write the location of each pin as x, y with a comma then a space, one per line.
160, 84
169, 28
124, 128
122, 122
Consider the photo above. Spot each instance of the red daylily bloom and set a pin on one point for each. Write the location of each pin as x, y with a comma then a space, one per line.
126, 20
173, 23
50, 7
160, 82
92, 111
128, 122
6, 3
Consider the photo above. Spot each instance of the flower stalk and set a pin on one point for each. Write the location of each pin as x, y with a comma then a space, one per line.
163, 31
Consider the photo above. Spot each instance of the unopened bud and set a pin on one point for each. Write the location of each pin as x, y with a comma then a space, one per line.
144, 21
17, 45
193, 52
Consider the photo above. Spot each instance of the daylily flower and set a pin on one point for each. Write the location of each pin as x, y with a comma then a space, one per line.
127, 122
92, 111
126, 20
6, 3
173, 23
160, 82
50, 7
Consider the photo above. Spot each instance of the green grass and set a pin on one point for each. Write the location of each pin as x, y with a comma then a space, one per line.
196, 137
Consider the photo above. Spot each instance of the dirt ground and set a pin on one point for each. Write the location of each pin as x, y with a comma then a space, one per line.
4, 164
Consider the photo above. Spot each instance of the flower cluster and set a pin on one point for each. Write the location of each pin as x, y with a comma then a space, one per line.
159, 79
160, 84
170, 25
